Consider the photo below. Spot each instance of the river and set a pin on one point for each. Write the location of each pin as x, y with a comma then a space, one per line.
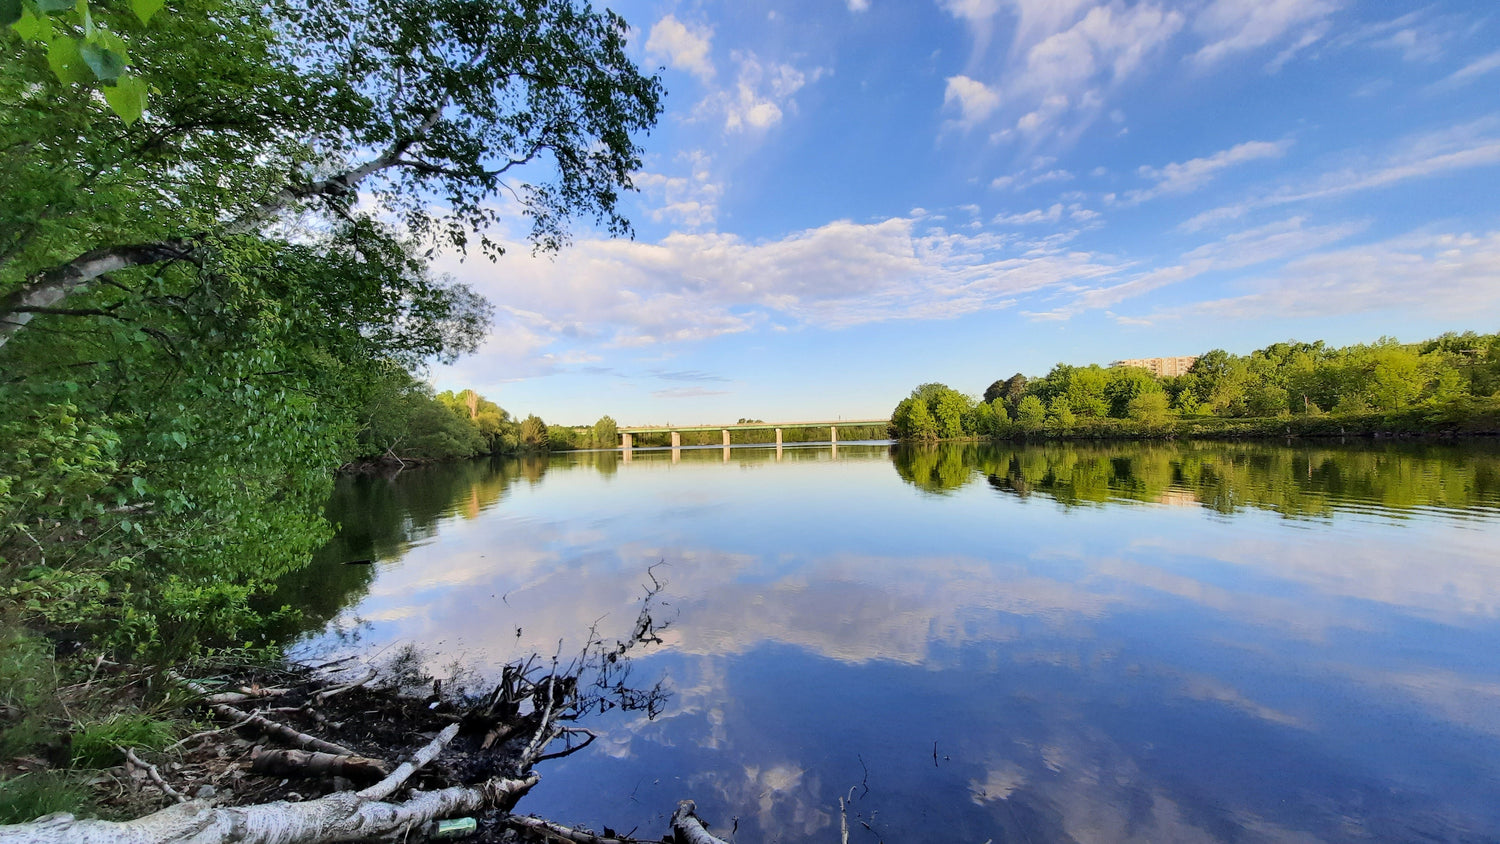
1145, 642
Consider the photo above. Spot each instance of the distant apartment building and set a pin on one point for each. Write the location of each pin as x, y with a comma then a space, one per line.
1161, 367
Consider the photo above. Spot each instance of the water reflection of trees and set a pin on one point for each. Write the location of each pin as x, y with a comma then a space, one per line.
1226, 477
380, 518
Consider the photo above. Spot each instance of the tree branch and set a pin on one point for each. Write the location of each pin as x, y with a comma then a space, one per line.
45, 289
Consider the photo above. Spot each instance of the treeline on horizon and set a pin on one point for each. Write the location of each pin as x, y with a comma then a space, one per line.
1455, 376
405, 420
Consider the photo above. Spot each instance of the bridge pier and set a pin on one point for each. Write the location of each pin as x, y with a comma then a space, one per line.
627, 442
677, 439
833, 434
778, 442
726, 438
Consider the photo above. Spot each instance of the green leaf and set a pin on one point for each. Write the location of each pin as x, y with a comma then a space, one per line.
66, 61
33, 27
144, 9
10, 12
127, 97
180, 438
106, 64
52, 7
88, 18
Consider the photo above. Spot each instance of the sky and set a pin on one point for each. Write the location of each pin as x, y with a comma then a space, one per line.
846, 198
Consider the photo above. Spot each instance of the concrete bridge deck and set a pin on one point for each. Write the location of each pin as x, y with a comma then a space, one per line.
628, 432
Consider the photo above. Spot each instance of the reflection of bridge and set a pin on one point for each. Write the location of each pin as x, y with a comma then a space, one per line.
627, 435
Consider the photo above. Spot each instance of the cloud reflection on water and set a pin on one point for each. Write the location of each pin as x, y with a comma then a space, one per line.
1105, 673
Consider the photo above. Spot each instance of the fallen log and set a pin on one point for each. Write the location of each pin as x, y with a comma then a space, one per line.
312, 763
548, 831
688, 828
341, 816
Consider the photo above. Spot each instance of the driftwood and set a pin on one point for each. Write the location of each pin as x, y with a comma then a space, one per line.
688, 828
311, 763
548, 831
278, 731
153, 774
341, 816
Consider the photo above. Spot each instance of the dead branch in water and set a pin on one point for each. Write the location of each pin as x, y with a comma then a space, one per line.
688, 828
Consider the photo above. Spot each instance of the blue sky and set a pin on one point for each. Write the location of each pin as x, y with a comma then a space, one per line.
846, 198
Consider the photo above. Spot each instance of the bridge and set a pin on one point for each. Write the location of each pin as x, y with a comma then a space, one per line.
627, 434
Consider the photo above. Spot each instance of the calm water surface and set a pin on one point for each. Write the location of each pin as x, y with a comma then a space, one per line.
1196, 642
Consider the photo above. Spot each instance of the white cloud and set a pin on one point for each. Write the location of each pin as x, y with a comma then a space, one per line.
1049, 215
1471, 71
1277, 241
689, 287
1065, 59
1036, 173
1458, 148
1442, 274
691, 200
975, 100
1418, 35
1235, 26
1188, 176
684, 48
859, 5
761, 95
687, 393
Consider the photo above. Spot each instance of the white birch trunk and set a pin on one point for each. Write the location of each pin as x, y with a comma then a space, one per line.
342, 816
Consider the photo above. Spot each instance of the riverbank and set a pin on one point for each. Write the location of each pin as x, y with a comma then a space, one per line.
300, 754
1462, 418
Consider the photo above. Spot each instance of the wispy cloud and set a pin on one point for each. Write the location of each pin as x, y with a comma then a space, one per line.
1236, 26
691, 200
1277, 241
1473, 70
1065, 58
1458, 148
687, 393
686, 375
1188, 176
1440, 274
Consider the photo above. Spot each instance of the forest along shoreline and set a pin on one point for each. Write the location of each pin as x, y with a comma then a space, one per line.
1447, 386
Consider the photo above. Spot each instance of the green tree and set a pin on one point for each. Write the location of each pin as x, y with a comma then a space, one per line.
606, 433
1060, 412
534, 432
286, 109
1149, 407
1031, 414
949, 409
920, 423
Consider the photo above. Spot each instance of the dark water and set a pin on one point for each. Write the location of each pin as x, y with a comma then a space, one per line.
1195, 642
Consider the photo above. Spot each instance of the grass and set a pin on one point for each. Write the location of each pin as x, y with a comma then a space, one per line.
98, 745
31, 795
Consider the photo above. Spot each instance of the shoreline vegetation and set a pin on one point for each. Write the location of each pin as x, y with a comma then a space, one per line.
217, 287
1445, 386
